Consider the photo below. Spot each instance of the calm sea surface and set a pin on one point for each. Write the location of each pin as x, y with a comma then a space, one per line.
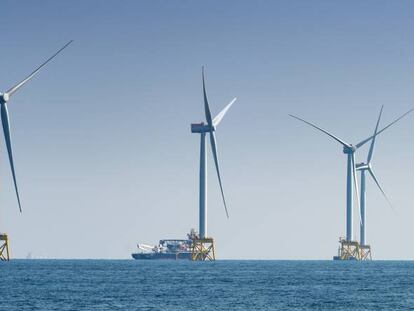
220, 285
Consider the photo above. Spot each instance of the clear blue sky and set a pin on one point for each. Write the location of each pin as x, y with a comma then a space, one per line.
102, 142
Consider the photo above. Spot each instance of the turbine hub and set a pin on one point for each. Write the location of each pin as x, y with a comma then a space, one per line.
4, 97
363, 166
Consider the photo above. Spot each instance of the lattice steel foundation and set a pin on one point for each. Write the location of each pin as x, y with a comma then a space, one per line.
4, 247
352, 250
365, 251
203, 249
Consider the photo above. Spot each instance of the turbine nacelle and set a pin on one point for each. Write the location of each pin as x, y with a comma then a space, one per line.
349, 149
202, 128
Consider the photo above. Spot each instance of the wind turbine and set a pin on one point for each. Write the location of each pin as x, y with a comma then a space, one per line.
202, 129
350, 150
367, 167
4, 98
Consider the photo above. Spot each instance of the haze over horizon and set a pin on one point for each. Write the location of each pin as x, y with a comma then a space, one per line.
103, 150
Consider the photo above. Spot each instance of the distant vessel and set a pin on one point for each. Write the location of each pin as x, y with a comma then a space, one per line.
173, 249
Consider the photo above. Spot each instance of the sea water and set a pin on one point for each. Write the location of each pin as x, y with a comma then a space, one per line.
221, 285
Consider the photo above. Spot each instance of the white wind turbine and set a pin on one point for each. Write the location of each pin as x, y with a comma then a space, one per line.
203, 129
367, 167
349, 150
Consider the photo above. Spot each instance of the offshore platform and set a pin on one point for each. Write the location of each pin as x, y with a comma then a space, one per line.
4, 98
198, 246
349, 248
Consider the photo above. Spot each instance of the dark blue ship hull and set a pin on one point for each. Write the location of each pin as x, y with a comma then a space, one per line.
162, 256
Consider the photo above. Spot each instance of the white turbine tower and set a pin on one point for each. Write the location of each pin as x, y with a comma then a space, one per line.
349, 150
203, 129
367, 167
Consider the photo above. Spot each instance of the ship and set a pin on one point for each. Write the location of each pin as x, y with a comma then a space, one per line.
167, 249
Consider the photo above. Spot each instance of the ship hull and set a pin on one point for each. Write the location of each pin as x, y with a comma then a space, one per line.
162, 256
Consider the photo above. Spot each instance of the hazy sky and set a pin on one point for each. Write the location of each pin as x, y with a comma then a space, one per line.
103, 149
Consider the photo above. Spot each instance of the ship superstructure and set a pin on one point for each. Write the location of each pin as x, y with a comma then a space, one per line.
167, 249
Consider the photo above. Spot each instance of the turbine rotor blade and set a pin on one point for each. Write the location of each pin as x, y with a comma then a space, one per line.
23, 82
217, 119
360, 144
7, 137
354, 175
379, 186
214, 151
371, 148
206, 106
345, 144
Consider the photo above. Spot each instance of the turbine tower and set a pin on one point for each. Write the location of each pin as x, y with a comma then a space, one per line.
350, 150
4, 98
363, 168
203, 129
